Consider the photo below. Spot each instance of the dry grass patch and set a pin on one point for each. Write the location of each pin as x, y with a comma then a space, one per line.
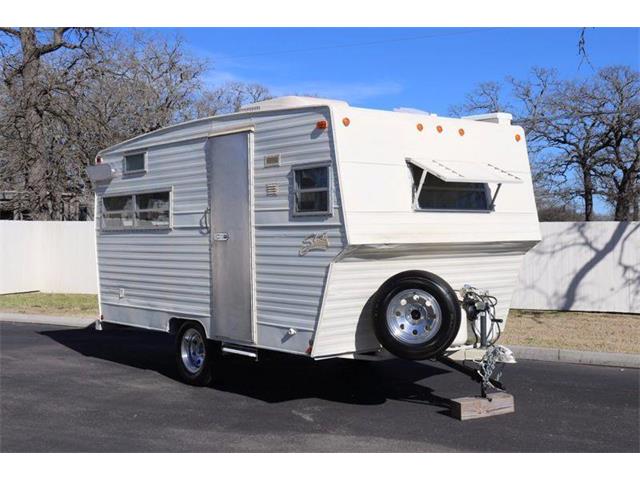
56, 304
599, 332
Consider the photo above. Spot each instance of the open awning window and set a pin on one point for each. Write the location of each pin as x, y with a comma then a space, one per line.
456, 185
465, 172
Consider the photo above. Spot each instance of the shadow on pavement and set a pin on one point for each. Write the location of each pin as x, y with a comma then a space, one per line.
276, 378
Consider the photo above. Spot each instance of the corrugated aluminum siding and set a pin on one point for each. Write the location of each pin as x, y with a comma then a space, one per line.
167, 273
289, 286
355, 279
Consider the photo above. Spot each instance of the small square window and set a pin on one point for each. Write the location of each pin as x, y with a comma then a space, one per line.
135, 163
311, 191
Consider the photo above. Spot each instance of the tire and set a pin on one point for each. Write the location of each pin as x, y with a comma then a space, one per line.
194, 354
416, 315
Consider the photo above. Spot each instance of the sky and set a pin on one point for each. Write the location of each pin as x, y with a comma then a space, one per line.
429, 69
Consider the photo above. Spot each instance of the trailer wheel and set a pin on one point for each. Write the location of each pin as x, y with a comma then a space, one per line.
416, 315
193, 354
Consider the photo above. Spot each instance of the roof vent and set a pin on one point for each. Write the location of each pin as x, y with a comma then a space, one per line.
500, 118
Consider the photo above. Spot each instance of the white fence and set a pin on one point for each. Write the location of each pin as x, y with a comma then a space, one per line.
578, 266
589, 266
47, 256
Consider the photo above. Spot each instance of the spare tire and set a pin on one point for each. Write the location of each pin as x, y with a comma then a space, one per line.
416, 315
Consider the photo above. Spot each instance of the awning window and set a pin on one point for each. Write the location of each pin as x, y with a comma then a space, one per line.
456, 185
464, 171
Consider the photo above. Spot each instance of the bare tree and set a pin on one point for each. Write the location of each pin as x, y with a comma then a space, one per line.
32, 94
615, 96
228, 98
486, 97
582, 134
67, 93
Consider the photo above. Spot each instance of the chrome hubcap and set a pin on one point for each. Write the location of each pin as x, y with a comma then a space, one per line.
192, 350
413, 316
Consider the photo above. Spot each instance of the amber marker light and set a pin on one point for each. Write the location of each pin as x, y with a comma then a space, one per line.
461, 132
346, 122
419, 127
518, 137
439, 128
322, 124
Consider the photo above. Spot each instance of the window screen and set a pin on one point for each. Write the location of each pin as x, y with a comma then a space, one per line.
152, 210
311, 191
437, 194
137, 211
117, 212
135, 162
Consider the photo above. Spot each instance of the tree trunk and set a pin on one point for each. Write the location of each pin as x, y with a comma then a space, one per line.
588, 193
35, 154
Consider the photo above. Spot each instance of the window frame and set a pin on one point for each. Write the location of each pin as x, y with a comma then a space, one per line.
296, 190
135, 210
416, 189
145, 169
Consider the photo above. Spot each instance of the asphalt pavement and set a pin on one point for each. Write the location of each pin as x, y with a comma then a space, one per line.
71, 389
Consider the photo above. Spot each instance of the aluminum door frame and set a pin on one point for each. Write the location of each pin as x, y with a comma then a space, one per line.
248, 132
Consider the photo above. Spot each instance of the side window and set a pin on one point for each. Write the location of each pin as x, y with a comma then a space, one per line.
134, 163
117, 212
137, 211
153, 210
311, 191
436, 194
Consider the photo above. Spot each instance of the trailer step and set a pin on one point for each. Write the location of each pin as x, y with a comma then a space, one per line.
240, 350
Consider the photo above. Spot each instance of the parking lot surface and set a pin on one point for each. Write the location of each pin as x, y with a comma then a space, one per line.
70, 389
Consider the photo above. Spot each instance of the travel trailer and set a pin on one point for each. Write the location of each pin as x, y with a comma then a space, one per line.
311, 227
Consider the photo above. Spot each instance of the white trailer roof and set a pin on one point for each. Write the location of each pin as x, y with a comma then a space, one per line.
465, 172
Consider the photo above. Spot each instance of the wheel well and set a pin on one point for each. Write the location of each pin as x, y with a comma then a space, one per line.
175, 323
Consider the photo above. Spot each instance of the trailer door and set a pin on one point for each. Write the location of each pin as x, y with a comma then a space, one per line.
230, 183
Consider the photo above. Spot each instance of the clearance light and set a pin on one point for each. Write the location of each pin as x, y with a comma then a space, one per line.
439, 128
461, 132
346, 121
518, 137
322, 124
419, 127
98, 160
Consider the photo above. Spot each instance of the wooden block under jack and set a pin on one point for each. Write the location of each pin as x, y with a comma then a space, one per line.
497, 403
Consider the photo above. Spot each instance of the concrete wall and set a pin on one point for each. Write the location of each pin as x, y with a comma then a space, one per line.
589, 266
577, 266
47, 256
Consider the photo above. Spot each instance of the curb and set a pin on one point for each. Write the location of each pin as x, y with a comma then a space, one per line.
625, 360
46, 319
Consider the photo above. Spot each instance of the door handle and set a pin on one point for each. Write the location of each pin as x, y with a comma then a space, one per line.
221, 236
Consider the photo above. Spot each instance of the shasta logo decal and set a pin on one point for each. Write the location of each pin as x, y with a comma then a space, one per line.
315, 241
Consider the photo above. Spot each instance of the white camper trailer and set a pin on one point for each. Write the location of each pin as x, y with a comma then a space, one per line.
311, 227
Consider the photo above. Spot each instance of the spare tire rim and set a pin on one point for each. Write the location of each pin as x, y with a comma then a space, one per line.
192, 350
413, 316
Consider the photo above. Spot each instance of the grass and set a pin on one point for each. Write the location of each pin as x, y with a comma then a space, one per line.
57, 304
599, 332
602, 332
